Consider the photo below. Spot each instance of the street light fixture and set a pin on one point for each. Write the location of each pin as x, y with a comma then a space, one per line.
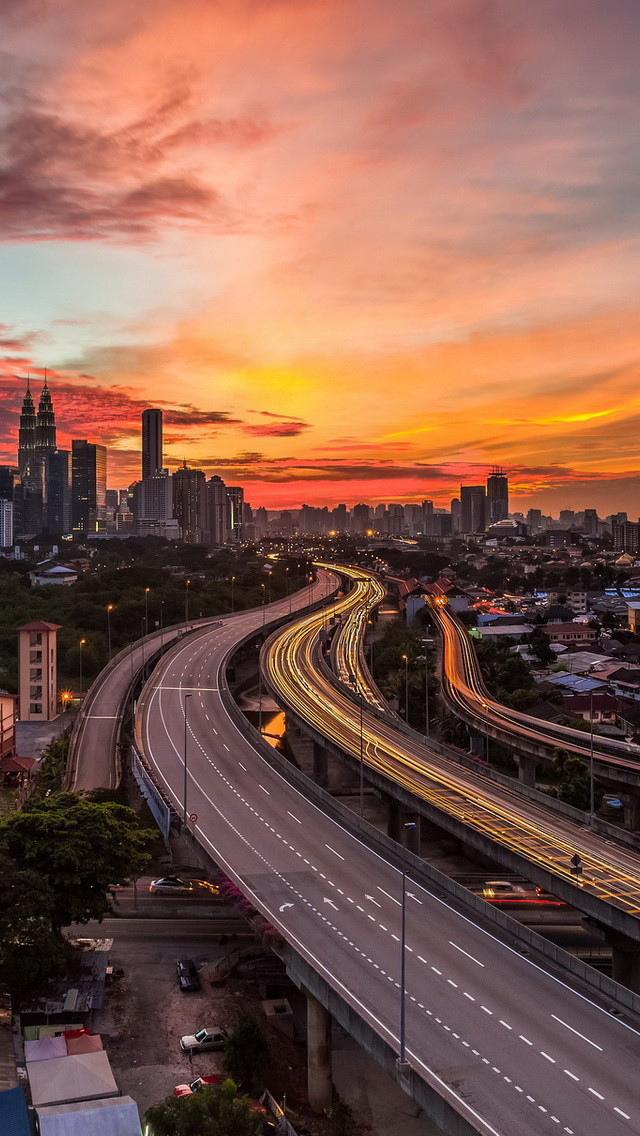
81, 645
184, 796
402, 1064
406, 688
110, 608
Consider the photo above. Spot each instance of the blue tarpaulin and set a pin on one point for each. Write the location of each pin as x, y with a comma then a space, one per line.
14, 1115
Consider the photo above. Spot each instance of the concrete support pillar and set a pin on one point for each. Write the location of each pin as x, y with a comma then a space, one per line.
476, 743
526, 769
319, 1086
320, 765
625, 960
394, 819
631, 805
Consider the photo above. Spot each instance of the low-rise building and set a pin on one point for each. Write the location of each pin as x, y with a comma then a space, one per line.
570, 633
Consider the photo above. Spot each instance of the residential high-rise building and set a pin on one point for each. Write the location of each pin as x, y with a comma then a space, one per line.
189, 504
217, 510
153, 504
57, 518
455, 514
235, 499
151, 442
626, 537
88, 485
361, 518
497, 495
534, 519
591, 522
6, 524
472, 508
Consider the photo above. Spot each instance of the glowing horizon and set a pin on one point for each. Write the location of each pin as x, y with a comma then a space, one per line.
356, 252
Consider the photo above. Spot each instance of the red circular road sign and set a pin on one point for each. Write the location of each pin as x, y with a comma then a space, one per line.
193, 817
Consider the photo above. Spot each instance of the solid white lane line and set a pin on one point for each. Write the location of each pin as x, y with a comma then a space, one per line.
334, 851
391, 897
477, 961
577, 1033
294, 817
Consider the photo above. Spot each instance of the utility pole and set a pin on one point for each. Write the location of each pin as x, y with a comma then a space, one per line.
109, 610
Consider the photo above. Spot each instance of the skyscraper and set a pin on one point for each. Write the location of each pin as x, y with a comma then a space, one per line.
88, 485
151, 442
6, 523
45, 439
235, 498
27, 430
189, 504
472, 508
58, 481
217, 511
497, 495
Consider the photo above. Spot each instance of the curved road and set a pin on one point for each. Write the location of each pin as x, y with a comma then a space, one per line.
292, 668
468, 695
515, 1051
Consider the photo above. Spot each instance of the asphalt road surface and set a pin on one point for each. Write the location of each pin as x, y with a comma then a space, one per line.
518, 1052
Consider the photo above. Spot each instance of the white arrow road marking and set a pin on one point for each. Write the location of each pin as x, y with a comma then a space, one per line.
285, 906
373, 901
331, 903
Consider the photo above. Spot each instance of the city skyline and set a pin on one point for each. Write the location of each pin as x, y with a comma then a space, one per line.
349, 259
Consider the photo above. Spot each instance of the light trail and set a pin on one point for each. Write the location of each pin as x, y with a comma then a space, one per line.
292, 667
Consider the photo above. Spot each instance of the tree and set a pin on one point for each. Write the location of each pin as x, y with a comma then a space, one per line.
79, 848
538, 641
574, 785
246, 1053
214, 1110
30, 951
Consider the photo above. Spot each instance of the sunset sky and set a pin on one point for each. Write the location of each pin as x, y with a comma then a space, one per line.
356, 249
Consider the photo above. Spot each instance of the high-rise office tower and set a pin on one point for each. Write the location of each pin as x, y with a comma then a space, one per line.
217, 511
361, 515
189, 504
88, 485
235, 499
6, 523
472, 508
45, 440
27, 430
151, 441
455, 514
57, 518
497, 496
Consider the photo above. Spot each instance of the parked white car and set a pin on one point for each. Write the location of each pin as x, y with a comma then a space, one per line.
204, 1040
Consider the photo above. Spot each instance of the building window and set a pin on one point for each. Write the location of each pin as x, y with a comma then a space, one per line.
35, 708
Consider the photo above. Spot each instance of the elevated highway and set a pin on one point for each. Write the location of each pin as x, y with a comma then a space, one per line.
495, 1044
616, 761
523, 836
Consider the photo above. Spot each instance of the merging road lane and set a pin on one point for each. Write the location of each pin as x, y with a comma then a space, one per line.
516, 1051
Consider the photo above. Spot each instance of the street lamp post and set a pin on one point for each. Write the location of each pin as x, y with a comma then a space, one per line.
81, 645
402, 1064
592, 810
264, 599
406, 688
161, 625
286, 587
187, 585
184, 796
233, 598
259, 693
142, 645
426, 694
109, 610
146, 610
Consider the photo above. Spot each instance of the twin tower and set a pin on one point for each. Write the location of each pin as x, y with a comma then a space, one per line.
37, 432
